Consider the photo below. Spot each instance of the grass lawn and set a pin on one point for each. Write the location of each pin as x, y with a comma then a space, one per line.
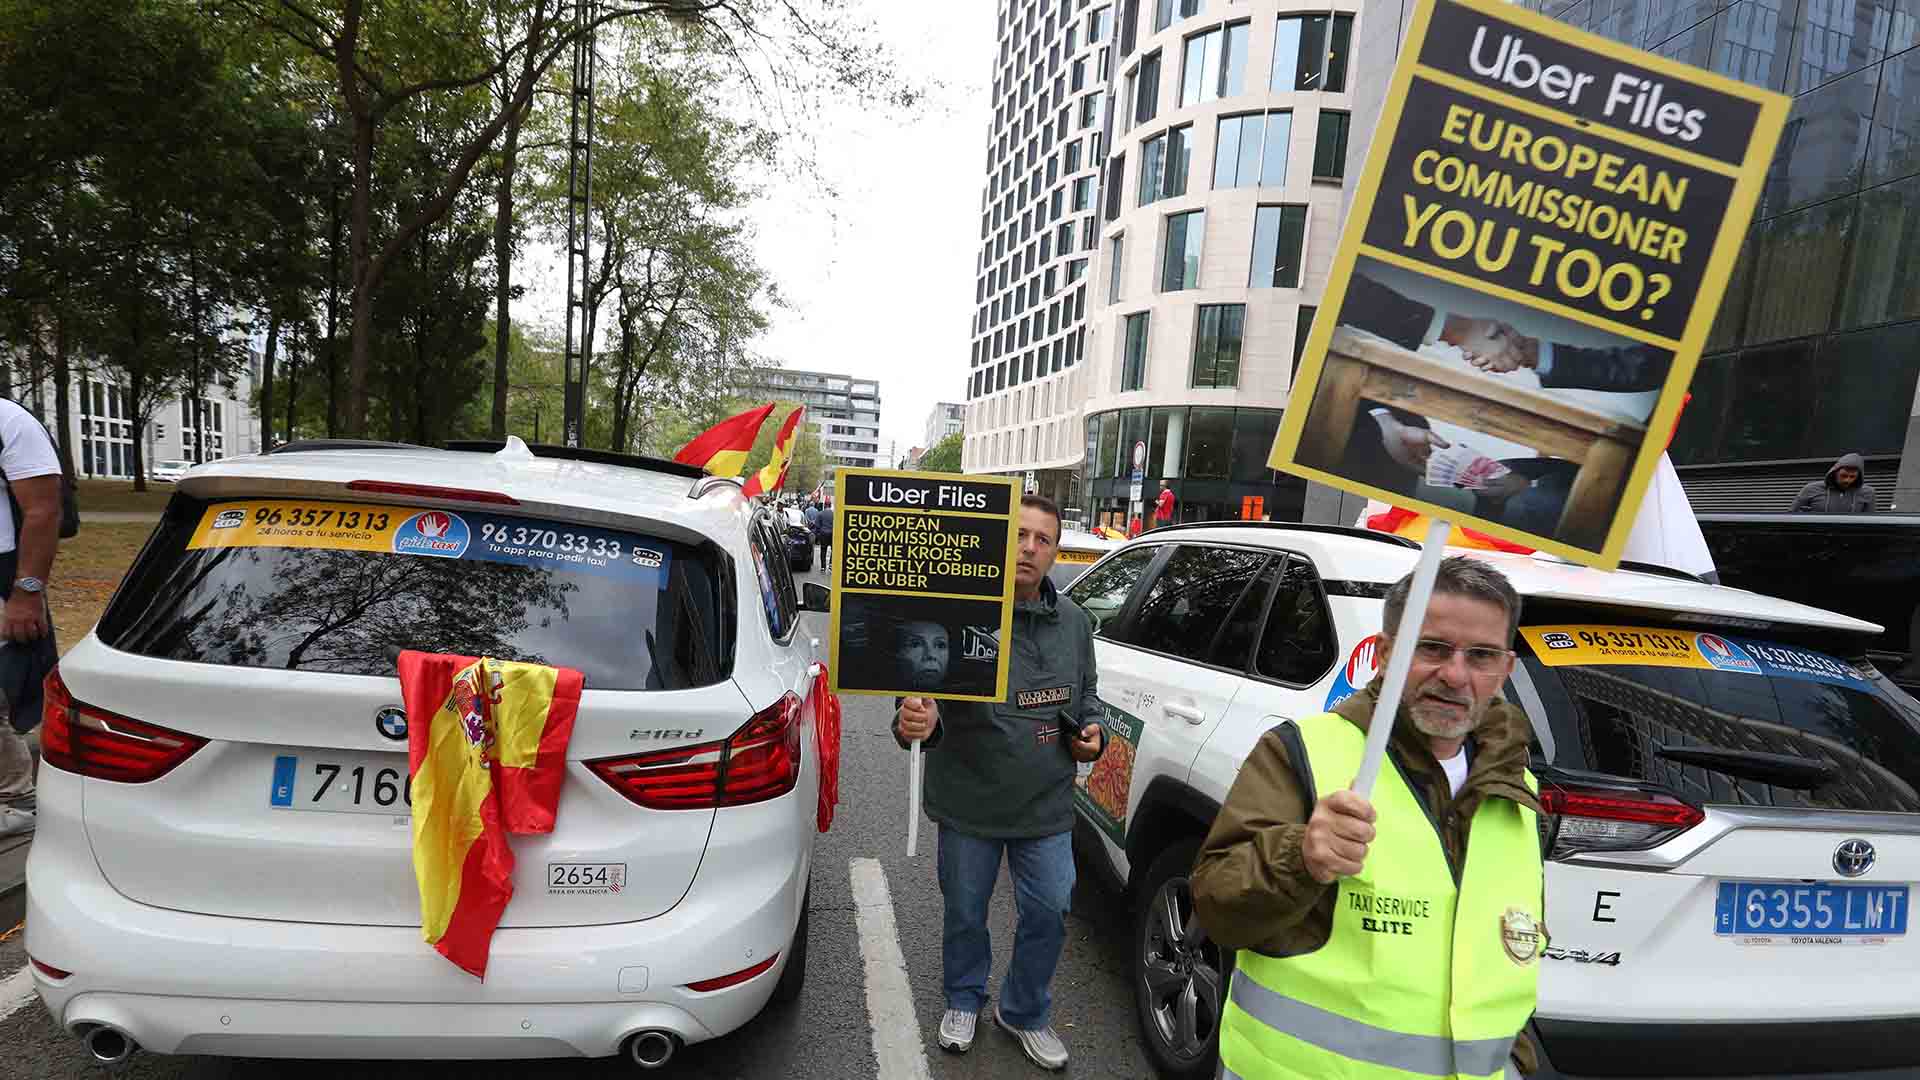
88, 569
118, 496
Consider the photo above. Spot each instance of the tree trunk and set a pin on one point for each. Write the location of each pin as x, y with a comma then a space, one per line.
62, 386
142, 414
333, 322
267, 359
503, 269
293, 383
360, 359
623, 400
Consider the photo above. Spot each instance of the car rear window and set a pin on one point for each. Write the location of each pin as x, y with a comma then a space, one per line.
1728, 720
344, 587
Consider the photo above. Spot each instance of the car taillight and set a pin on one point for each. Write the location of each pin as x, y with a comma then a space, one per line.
735, 979
761, 761
49, 970
81, 739
1613, 819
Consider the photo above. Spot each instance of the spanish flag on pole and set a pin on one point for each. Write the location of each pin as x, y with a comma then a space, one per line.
723, 448
486, 755
769, 479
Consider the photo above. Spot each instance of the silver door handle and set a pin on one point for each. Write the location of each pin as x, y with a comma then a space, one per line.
1185, 712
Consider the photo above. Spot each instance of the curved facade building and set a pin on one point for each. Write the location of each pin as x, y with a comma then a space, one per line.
1227, 145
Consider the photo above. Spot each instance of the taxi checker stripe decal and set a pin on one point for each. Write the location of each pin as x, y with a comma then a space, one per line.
1428, 1055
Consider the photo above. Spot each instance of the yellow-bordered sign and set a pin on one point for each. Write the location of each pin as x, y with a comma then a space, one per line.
1532, 262
923, 567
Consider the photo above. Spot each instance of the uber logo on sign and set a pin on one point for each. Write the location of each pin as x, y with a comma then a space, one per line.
1558, 640
1040, 699
978, 644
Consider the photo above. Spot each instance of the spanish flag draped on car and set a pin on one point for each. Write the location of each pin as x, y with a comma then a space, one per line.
486, 753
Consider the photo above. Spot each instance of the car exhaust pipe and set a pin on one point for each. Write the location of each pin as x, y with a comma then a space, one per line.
109, 1045
652, 1049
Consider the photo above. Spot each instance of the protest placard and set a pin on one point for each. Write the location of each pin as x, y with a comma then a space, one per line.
1533, 259
923, 579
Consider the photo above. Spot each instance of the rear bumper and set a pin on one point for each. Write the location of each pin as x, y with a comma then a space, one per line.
1820, 1050
180, 982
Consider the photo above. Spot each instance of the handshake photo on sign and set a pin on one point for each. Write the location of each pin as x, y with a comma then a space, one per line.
1503, 410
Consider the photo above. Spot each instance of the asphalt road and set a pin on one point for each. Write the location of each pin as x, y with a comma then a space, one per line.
828, 1033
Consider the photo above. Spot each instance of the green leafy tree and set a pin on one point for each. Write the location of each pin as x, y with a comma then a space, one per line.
943, 456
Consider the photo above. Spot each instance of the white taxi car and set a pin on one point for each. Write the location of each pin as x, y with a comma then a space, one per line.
224, 859
1732, 794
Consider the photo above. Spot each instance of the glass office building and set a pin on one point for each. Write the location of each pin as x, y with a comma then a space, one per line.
1816, 347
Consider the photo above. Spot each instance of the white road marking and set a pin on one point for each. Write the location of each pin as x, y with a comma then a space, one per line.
16, 990
896, 1031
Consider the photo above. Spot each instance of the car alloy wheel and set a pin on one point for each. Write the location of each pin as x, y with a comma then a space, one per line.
1179, 974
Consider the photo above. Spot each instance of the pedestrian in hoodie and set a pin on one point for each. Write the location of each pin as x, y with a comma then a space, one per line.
1844, 491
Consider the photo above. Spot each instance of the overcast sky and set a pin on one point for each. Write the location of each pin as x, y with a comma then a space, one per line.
879, 278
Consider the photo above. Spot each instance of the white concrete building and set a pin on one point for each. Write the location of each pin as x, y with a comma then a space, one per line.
1221, 213
946, 418
1038, 229
100, 426
842, 410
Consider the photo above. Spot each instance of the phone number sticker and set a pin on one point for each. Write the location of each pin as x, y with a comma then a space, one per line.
429, 533
1568, 646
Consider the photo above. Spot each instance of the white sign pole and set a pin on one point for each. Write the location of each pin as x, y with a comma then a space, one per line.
914, 766
1394, 683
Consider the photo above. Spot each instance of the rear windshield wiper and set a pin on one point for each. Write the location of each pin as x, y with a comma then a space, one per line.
1780, 770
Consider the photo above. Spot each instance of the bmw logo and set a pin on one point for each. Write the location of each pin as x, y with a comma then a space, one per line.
391, 722
1853, 858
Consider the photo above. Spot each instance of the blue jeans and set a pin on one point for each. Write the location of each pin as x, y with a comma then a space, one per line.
1043, 874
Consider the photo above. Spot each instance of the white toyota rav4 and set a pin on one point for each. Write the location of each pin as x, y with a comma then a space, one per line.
1732, 794
223, 863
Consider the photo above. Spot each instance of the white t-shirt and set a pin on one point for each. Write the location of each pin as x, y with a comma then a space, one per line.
1456, 768
27, 453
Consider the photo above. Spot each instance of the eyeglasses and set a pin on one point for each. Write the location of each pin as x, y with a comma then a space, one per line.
1481, 658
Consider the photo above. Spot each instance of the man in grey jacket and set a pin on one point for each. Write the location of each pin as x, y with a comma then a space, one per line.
1844, 491
1001, 782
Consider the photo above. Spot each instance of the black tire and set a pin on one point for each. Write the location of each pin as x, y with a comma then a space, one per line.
1179, 977
794, 976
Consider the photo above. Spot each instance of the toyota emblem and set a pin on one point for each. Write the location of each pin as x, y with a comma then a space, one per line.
391, 722
1853, 858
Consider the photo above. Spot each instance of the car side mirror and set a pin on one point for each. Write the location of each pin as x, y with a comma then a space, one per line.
815, 597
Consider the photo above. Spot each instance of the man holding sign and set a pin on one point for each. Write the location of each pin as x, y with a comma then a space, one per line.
1376, 919
1001, 781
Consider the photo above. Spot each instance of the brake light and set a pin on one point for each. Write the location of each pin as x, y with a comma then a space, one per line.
735, 979
81, 739
761, 761
428, 491
48, 970
1622, 819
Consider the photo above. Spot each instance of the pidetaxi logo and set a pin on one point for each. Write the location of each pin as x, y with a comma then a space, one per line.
433, 532
1361, 666
1724, 655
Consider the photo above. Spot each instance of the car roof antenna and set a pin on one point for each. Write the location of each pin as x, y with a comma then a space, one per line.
514, 450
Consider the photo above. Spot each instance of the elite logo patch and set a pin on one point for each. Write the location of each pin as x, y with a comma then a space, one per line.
1519, 936
1040, 699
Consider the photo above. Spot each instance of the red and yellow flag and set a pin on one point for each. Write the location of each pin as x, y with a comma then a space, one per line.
1414, 527
723, 448
486, 753
774, 473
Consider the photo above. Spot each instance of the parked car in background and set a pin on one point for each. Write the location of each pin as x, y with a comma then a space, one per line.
797, 538
1078, 550
1865, 565
223, 803
1732, 793
169, 471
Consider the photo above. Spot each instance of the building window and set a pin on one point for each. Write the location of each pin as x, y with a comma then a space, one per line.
1182, 267
1115, 249
1216, 345
1073, 161
1079, 82
1164, 161
1330, 146
1090, 109
1216, 65
1302, 329
1133, 367
1279, 242
1082, 188
1302, 52
1076, 269
1100, 27
1252, 150
1116, 172
1164, 12
1152, 153
1146, 101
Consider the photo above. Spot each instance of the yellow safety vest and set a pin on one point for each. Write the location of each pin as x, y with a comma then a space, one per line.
1420, 977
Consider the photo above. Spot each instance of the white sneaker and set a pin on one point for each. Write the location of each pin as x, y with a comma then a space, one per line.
1043, 1047
956, 1030
14, 821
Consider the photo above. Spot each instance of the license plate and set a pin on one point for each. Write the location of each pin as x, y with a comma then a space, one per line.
342, 783
586, 879
1810, 914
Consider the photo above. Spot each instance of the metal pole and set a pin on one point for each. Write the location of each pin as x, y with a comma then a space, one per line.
579, 346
